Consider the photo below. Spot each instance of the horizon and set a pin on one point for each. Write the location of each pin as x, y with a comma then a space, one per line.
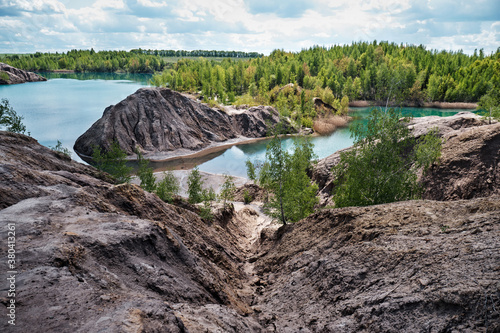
245, 25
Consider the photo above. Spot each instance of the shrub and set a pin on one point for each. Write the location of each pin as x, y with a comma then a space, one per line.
60, 149
145, 173
195, 193
247, 198
227, 190
251, 170
167, 187
113, 161
10, 119
383, 164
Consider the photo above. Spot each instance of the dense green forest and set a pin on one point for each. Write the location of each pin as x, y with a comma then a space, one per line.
135, 61
361, 71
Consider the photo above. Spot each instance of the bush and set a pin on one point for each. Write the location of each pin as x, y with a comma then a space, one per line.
251, 170
60, 149
247, 198
383, 164
113, 162
285, 175
10, 119
195, 192
227, 190
145, 173
167, 187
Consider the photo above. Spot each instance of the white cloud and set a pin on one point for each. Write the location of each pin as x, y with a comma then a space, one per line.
259, 25
153, 4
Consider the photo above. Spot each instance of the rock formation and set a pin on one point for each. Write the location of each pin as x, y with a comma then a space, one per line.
159, 120
12, 75
94, 256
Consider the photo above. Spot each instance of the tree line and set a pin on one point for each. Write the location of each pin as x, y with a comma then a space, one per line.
376, 71
199, 53
135, 61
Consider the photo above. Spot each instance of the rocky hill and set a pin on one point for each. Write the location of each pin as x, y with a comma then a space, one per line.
159, 121
93, 256
12, 75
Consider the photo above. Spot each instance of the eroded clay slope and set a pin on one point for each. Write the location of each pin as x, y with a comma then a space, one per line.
157, 121
415, 266
93, 256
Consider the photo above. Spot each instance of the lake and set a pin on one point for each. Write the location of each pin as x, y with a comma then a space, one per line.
66, 105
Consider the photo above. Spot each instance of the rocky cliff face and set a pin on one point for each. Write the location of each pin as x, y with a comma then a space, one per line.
92, 256
159, 120
12, 75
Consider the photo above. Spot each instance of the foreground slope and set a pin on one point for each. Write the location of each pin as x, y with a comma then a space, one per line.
93, 256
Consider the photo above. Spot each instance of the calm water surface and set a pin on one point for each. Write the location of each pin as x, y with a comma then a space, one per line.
66, 105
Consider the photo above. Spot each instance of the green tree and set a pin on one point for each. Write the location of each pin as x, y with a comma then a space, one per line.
382, 166
60, 149
227, 190
145, 173
167, 187
195, 185
285, 175
251, 170
113, 161
10, 119
491, 104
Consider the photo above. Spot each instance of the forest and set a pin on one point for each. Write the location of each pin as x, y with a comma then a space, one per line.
381, 72
135, 61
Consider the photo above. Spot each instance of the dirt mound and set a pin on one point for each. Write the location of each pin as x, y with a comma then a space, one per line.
157, 121
252, 191
468, 168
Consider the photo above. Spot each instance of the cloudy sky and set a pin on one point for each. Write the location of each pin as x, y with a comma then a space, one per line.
245, 25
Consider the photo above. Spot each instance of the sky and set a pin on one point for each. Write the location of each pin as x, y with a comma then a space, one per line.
27, 26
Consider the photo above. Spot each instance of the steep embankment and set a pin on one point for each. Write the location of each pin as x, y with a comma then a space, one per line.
469, 166
159, 121
12, 75
93, 256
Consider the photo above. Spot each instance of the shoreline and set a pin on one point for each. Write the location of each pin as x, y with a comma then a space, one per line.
434, 105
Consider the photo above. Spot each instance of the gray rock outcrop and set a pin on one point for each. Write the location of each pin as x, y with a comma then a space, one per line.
12, 75
157, 121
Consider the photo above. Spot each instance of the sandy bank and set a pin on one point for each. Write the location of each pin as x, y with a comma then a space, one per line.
437, 105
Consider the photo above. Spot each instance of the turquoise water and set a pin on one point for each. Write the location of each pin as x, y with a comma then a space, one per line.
66, 105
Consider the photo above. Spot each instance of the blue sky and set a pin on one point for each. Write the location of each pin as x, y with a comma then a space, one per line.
245, 25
